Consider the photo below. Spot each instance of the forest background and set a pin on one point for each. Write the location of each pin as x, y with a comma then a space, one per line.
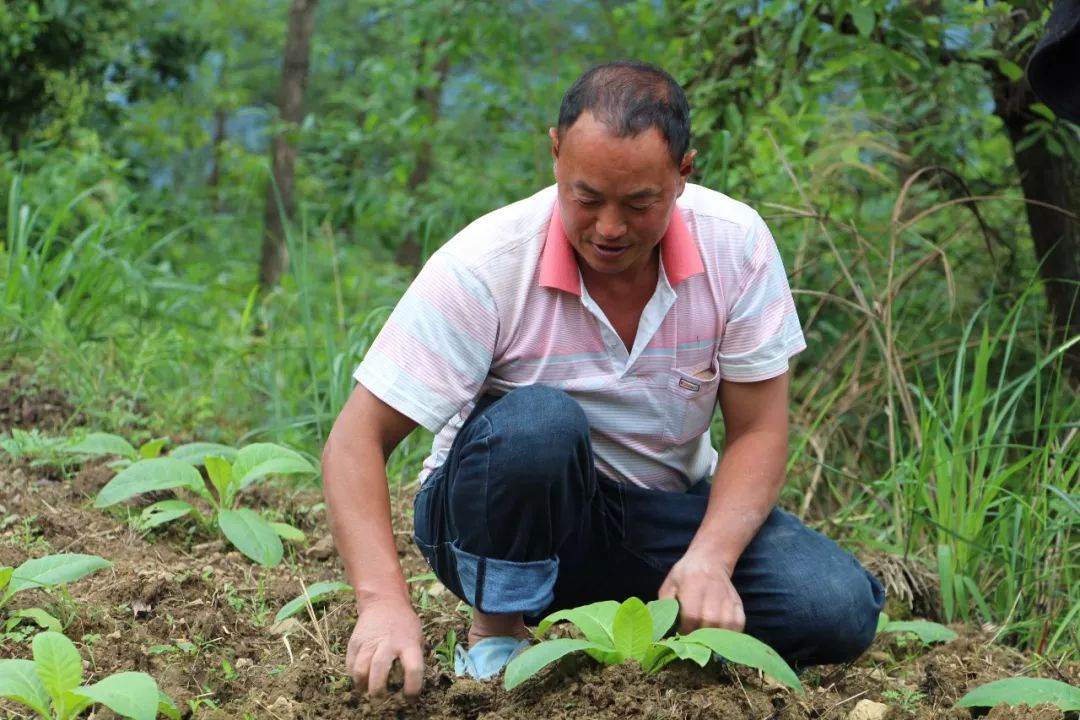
208, 209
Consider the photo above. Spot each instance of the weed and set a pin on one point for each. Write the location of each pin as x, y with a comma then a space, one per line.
445, 651
906, 698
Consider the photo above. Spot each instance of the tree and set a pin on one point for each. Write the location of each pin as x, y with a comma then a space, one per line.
920, 75
279, 193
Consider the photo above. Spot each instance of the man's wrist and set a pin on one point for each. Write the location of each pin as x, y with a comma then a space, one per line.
369, 593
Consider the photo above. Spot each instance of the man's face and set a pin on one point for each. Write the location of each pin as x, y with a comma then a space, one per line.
616, 195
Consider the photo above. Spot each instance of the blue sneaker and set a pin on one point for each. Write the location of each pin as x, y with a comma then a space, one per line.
488, 657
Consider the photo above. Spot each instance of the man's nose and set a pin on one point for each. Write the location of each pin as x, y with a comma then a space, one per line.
610, 225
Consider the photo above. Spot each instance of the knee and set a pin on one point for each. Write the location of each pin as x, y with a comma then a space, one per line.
843, 618
540, 425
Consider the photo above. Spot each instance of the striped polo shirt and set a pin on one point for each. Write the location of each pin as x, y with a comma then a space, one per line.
502, 305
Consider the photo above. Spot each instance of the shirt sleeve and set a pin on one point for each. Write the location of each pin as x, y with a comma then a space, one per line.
762, 330
433, 354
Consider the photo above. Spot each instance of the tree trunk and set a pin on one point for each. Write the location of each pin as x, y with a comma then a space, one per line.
279, 193
429, 97
1047, 181
215, 168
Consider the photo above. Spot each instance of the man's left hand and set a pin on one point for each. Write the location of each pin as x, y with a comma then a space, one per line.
705, 594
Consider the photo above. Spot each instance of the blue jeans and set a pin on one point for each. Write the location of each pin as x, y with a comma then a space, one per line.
517, 521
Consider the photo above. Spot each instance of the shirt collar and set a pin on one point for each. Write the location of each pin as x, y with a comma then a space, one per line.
559, 268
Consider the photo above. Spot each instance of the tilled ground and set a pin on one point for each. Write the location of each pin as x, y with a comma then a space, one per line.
198, 616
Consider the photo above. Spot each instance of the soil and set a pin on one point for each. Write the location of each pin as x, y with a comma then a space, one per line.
195, 614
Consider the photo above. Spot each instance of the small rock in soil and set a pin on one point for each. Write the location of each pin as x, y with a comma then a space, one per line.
285, 627
868, 710
323, 549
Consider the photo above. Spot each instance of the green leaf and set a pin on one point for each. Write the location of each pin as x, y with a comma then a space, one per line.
863, 17
195, 453
663, 614
632, 629
128, 694
688, 650
1045, 111
167, 707
42, 618
945, 574
221, 475
58, 664
152, 448
1021, 690
5, 577
536, 658
162, 512
146, 476
314, 593
251, 535
882, 621
19, 681
594, 620
746, 650
262, 459
53, 570
657, 657
1010, 69
288, 532
928, 632
103, 444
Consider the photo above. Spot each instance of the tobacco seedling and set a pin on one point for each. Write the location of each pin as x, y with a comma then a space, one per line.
100, 444
315, 592
1023, 691
51, 685
45, 573
229, 471
926, 631
616, 633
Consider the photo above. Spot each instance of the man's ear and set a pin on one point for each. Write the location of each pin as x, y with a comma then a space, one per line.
554, 135
686, 168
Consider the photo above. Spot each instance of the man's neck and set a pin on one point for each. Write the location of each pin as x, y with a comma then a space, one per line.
634, 282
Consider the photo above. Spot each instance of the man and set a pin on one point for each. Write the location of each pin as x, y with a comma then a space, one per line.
570, 350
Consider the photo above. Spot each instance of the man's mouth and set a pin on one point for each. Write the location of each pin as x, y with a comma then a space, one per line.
609, 250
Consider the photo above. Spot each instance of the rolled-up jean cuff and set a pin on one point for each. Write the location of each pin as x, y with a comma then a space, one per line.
506, 586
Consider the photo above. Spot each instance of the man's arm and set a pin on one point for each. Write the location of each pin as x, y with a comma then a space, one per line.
745, 490
358, 503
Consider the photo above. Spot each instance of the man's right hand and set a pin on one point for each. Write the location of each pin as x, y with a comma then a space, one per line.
387, 629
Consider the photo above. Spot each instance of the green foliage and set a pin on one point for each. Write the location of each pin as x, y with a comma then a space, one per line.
1023, 691
631, 630
247, 530
314, 593
928, 632
50, 685
44, 573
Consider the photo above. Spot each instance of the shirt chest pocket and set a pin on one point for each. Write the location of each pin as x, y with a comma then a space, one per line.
692, 402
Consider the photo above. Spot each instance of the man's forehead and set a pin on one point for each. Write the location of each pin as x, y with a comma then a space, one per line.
639, 194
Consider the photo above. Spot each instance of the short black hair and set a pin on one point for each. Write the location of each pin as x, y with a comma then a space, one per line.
630, 97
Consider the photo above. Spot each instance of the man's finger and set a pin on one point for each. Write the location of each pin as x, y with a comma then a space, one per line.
359, 667
412, 662
667, 589
380, 672
690, 612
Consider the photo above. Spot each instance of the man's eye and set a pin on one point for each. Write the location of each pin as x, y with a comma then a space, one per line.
588, 203
640, 208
